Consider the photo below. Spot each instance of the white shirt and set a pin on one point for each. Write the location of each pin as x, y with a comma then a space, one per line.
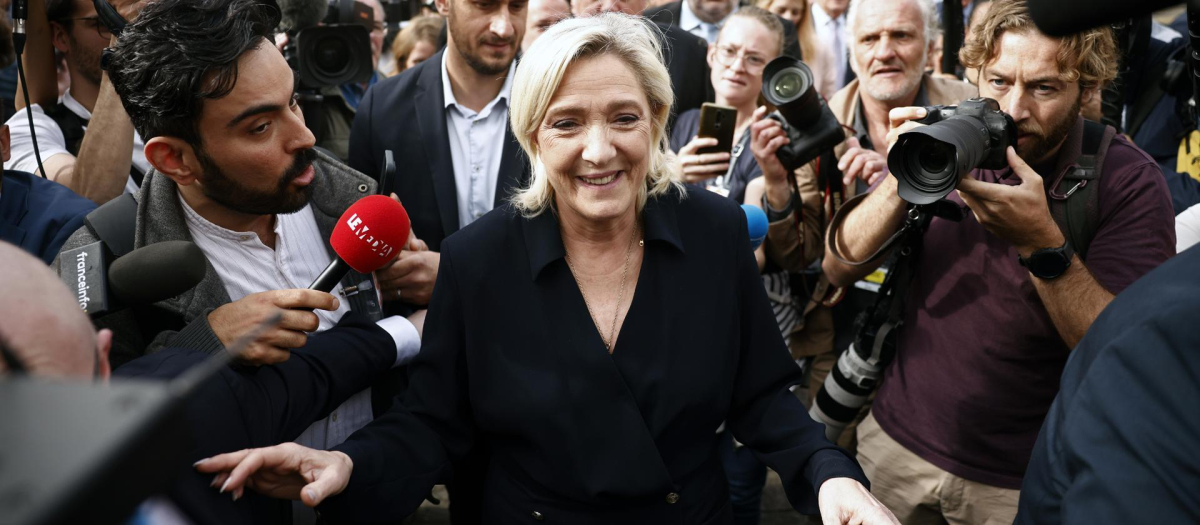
51, 142
246, 266
1187, 229
476, 147
831, 32
688, 21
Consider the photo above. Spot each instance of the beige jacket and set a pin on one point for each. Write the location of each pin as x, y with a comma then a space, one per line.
795, 252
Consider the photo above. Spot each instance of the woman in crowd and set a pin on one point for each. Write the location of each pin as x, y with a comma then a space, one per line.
595, 333
815, 54
750, 38
416, 42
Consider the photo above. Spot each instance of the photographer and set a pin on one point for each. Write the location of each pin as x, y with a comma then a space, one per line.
984, 339
890, 43
86, 140
340, 103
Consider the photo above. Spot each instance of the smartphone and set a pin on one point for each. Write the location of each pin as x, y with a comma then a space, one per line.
717, 121
386, 174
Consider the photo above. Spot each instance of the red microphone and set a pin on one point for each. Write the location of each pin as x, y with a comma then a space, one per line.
370, 233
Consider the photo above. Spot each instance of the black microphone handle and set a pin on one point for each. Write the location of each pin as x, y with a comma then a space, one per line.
331, 276
20, 12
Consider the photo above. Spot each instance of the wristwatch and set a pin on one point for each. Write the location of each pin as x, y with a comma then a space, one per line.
1049, 263
774, 215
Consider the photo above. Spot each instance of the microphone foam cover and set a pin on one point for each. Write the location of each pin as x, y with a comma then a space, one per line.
156, 272
756, 224
370, 233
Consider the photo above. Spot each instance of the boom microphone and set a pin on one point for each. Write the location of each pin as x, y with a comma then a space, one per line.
1067, 17
146, 275
296, 15
369, 234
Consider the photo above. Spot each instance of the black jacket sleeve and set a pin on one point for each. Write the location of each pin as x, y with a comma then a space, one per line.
401, 455
332, 366
765, 414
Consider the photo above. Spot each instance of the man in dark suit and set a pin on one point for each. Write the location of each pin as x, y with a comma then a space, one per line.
37, 214
241, 407
684, 53
704, 18
446, 120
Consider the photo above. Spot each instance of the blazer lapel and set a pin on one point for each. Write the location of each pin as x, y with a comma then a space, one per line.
513, 168
435, 137
160, 218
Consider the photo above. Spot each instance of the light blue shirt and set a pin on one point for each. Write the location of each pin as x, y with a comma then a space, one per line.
832, 33
476, 146
688, 21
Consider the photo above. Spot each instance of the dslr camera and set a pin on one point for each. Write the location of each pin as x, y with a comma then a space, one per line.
929, 161
336, 52
810, 125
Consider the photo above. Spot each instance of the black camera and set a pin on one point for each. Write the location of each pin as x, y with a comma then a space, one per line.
929, 161
337, 52
810, 125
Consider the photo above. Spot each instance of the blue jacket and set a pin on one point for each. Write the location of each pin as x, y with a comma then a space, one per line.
38, 215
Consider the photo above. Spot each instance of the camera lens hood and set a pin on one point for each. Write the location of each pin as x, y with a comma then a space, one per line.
929, 161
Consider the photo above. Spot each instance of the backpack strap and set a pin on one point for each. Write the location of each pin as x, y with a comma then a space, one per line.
1077, 211
73, 128
115, 223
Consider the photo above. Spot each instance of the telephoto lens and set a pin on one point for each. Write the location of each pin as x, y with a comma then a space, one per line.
929, 161
810, 125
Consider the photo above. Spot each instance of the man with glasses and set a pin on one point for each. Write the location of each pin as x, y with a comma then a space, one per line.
99, 161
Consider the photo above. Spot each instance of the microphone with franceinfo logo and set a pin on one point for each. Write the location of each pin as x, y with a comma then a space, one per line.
104, 284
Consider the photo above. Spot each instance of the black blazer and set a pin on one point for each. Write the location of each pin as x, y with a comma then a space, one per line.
245, 408
407, 114
578, 435
686, 56
668, 14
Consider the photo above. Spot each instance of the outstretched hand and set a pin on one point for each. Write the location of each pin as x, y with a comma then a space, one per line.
287, 471
844, 501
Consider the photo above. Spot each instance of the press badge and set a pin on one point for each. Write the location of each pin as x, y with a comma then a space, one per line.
872, 282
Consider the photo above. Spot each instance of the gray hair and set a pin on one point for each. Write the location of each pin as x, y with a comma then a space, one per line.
541, 71
929, 16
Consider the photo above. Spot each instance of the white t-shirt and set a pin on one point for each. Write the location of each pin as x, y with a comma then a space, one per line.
51, 141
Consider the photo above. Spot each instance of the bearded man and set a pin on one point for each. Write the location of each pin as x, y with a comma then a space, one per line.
998, 300
891, 45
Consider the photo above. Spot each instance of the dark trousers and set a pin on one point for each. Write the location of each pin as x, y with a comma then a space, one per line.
747, 476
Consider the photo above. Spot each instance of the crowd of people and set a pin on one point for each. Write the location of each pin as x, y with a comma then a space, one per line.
523, 347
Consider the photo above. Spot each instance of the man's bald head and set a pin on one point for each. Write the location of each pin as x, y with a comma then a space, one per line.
43, 324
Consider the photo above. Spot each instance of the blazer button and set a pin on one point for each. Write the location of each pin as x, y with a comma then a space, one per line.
538, 516
672, 498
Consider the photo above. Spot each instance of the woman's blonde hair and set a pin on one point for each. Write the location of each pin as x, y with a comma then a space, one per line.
420, 29
806, 32
541, 70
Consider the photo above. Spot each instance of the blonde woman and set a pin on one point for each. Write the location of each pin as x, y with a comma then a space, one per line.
416, 42
594, 333
815, 55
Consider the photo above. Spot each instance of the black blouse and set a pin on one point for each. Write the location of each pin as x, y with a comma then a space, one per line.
512, 357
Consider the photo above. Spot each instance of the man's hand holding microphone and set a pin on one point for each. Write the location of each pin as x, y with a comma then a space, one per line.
368, 236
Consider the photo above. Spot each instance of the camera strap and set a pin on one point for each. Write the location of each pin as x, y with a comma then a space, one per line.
1077, 210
